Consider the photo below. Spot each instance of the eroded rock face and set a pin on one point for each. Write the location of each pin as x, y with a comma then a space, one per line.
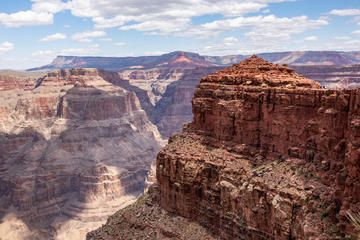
11, 82
268, 155
146, 219
72, 151
165, 93
174, 108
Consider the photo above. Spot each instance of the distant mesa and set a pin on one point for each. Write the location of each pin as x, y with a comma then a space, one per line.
181, 59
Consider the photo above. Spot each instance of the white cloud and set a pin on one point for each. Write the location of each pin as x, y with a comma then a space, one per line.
26, 18
311, 38
357, 32
67, 26
345, 12
340, 38
154, 53
53, 37
6, 47
160, 16
353, 42
86, 36
43, 53
119, 43
80, 51
49, 6
228, 41
356, 20
41, 13
105, 39
49, 54
262, 28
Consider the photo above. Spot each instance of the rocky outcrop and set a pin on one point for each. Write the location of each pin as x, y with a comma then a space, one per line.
10, 82
154, 81
72, 151
268, 155
164, 84
145, 219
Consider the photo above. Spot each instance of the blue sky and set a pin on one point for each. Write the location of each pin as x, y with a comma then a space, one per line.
34, 32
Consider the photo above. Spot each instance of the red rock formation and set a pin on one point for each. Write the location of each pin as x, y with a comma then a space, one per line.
268, 155
69, 145
146, 220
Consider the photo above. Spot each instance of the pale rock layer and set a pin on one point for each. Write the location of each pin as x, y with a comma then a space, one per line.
73, 150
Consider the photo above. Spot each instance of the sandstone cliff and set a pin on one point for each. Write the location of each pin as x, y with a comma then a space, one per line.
73, 150
164, 84
268, 155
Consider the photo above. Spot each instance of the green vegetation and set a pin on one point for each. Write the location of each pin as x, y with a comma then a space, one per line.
328, 92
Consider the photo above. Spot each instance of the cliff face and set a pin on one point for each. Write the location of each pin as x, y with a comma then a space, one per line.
165, 94
174, 108
268, 155
66, 147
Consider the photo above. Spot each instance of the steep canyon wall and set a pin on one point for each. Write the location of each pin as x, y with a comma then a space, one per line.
73, 150
268, 155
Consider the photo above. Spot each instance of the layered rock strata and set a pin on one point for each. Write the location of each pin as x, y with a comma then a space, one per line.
268, 155
72, 151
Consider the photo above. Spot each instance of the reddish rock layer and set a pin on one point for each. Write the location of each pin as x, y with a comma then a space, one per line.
255, 71
224, 172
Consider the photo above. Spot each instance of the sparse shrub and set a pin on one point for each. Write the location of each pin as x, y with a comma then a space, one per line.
328, 92
285, 65
324, 215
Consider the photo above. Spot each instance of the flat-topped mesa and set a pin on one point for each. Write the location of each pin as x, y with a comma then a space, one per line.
255, 71
80, 77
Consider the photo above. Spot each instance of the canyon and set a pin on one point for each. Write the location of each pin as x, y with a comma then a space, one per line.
165, 84
74, 148
268, 155
77, 145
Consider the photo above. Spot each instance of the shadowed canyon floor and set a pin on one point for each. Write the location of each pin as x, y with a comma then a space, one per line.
268, 155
